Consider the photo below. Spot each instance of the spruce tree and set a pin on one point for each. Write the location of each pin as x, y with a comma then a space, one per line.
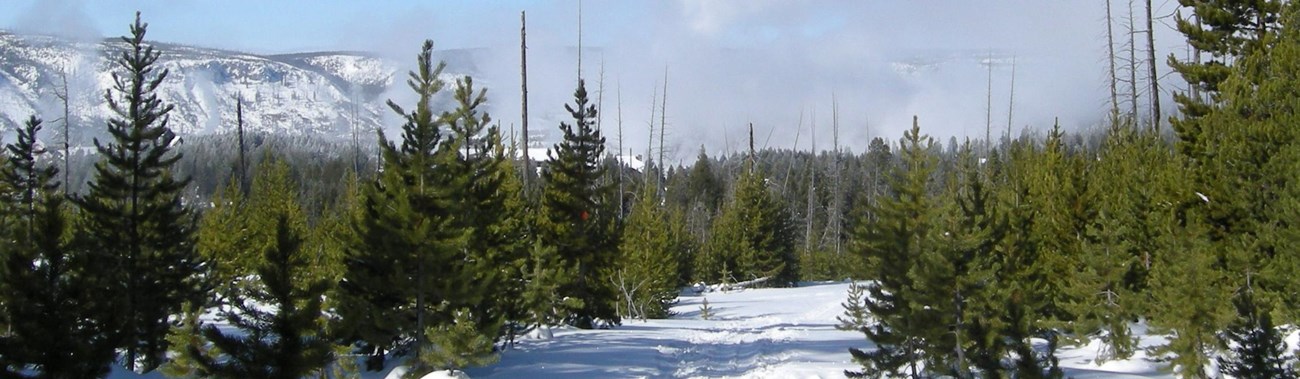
577, 217
140, 230
52, 332
280, 342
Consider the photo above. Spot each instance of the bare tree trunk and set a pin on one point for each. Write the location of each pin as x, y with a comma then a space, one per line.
1155, 78
836, 215
243, 160
650, 138
988, 109
523, 80
663, 126
600, 98
620, 150
67, 128
1132, 63
1110, 50
1011, 103
812, 187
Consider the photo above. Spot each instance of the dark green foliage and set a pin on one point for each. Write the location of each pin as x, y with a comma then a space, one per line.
646, 275
404, 263
51, 331
1258, 349
752, 237
486, 191
577, 218
282, 341
890, 242
952, 278
140, 232
455, 346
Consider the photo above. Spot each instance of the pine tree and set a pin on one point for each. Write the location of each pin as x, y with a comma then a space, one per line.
1258, 349
1109, 291
950, 279
577, 218
51, 328
457, 345
140, 229
752, 236
1235, 213
404, 264
1225, 32
487, 193
646, 275
223, 240
890, 242
281, 342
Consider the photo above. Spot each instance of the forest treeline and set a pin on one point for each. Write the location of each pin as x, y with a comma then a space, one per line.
439, 248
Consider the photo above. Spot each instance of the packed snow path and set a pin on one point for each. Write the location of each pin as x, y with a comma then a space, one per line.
768, 333
755, 333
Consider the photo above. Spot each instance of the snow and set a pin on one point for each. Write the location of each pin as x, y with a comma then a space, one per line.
751, 333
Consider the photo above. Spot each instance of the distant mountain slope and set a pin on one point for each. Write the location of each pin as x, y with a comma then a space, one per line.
323, 93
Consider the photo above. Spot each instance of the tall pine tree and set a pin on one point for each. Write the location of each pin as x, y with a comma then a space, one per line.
403, 266
140, 230
890, 242
577, 217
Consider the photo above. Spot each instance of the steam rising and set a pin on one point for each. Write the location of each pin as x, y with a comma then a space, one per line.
729, 63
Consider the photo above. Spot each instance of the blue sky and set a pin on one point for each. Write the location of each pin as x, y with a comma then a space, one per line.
731, 62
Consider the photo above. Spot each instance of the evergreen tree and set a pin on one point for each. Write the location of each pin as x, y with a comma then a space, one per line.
577, 218
457, 345
890, 242
1222, 33
404, 264
486, 189
1241, 167
646, 275
140, 230
280, 342
752, 237
1109, 291
1258, 350
951, 278
51, 328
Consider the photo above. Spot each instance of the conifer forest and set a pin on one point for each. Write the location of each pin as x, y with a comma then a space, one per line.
1162, 240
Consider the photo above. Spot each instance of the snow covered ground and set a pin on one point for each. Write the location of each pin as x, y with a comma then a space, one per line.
756, 333
753, 333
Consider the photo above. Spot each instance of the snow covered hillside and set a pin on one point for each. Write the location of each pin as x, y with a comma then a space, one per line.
320, 93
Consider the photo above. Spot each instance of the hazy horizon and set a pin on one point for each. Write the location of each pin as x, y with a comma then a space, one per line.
729, 63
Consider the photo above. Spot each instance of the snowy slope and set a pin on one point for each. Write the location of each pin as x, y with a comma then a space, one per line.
322, 93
